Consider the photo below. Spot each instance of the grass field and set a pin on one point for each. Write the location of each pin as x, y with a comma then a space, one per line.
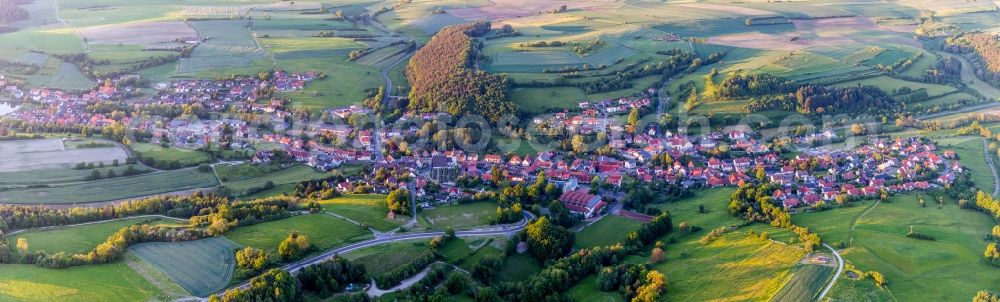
230, 49
364, 209
387, 257
609, 230
891, 84
201, 267
458, 216
946, 269
587, 290
101, 282
519, 267
79, 239
806, 283
289, 175
113, 189
55, 175
323, 231
186, 157
540, 99
970, 153
34, 154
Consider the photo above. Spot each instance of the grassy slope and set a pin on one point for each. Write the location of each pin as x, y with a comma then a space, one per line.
113, 189
607, 231
323, 231
364, 209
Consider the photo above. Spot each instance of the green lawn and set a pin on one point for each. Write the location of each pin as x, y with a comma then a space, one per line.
79, 239
103, 282
323, 231
609, 230
364, 209
458, 216
186, 157
201, 267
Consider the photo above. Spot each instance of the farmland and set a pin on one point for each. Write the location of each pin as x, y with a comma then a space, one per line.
34, 154
186, 157
112, 189
290, 175
201, 267
103, 282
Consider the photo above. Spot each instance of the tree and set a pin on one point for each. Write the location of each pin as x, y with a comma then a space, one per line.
986, 296
579, 144
654, 285
548, 241
656, 255
398, 201
858, 129
878, 278
293, 247
22, 246
633, 119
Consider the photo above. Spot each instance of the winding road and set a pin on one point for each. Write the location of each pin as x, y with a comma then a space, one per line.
840, 270
993, 168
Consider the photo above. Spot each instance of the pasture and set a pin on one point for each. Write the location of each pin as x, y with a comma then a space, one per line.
458, 217
201, 267
947, 268
543, 99
519, 267
892, 84
80, 239
187, 157
587, 290
112, 189
609, 230
387, 257
33, 154
290, 175
970, 154
322, 230
365, 209
112, 282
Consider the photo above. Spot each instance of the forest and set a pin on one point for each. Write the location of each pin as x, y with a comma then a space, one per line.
441, 78
986, 61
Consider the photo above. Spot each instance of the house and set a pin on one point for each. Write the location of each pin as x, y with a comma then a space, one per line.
443, 169
581, 201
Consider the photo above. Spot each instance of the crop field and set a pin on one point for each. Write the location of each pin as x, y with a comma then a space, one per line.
22, 155
69, 77
951, 98
458, 216
607, 231
322, 230
533, 61
99, 282
201, 267
186, 157
54, 176
806, 283
289, 175
229, 45
364, 209
347, 83
112, 189
879, 244
80, 239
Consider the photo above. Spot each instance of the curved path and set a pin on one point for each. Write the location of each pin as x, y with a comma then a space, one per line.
329, 254
993, 168
840, 270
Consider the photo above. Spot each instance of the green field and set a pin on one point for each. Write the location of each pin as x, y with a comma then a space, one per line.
229, 50
387, 257
101, 282
891, 84
364, 209
946, 269
587, 290
289, 175
201, 267
971, 155
540, 99
518, 267
186, 157
113, 189
458, 216
609, 230
79, 239
322, 230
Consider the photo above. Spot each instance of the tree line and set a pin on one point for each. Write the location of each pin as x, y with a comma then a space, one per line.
985, 46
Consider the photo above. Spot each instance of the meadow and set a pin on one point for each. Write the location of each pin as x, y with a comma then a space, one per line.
609, 230
323, 232
458, 217
80, 239
290, 175
113, 188
201, 267
947, 268
387, 257
365, 209
806, 282
519, 267
186, 157
101, 282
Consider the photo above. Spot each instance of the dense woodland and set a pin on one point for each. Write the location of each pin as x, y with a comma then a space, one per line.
986, 61
441, 78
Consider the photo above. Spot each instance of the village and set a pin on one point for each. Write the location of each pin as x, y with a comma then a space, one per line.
242, 113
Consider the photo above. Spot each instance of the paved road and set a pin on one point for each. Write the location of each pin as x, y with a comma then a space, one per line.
494, 231
993, 168
840, 269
